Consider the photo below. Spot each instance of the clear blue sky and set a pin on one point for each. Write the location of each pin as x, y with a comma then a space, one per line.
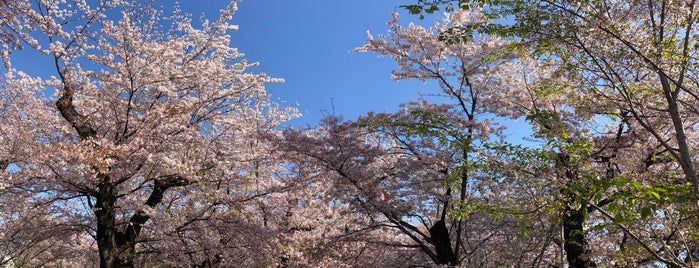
308, 43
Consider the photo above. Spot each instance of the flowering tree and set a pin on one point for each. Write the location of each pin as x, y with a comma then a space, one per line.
10, 25
151, 129
154, 145
407, 171
629, 64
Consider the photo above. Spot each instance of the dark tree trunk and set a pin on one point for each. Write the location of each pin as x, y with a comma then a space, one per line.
117, 245
106, 227
575, 243
439, 236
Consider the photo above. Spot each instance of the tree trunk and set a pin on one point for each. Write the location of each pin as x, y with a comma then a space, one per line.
574, 239
106, 228
439, 236
116, 245
574, 242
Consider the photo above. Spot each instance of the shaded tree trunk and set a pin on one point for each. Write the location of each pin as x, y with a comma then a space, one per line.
439, 237
117, 245
106, 224
575, 244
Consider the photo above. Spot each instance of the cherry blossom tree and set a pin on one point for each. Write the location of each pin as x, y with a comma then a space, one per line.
415, 171
634, 59
11, 27
154, 144
630, 64
591, 169
150, 143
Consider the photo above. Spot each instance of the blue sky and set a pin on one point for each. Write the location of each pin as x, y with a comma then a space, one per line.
308, 43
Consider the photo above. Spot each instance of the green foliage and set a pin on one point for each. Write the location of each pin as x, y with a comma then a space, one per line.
426, 125
629, 194
456, 35
429, 7
517, 20
642, 201
426, 6
550, 122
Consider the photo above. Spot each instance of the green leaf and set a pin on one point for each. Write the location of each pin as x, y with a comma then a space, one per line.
597, 198
636, 185
654, 194
432, 9
613, 207
618, 218
620, 182
413, 9
646, 212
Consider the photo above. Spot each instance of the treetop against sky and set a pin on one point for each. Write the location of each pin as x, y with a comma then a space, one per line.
309, 44
134, 134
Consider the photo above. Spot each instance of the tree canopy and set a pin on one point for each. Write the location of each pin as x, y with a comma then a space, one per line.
155, 142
